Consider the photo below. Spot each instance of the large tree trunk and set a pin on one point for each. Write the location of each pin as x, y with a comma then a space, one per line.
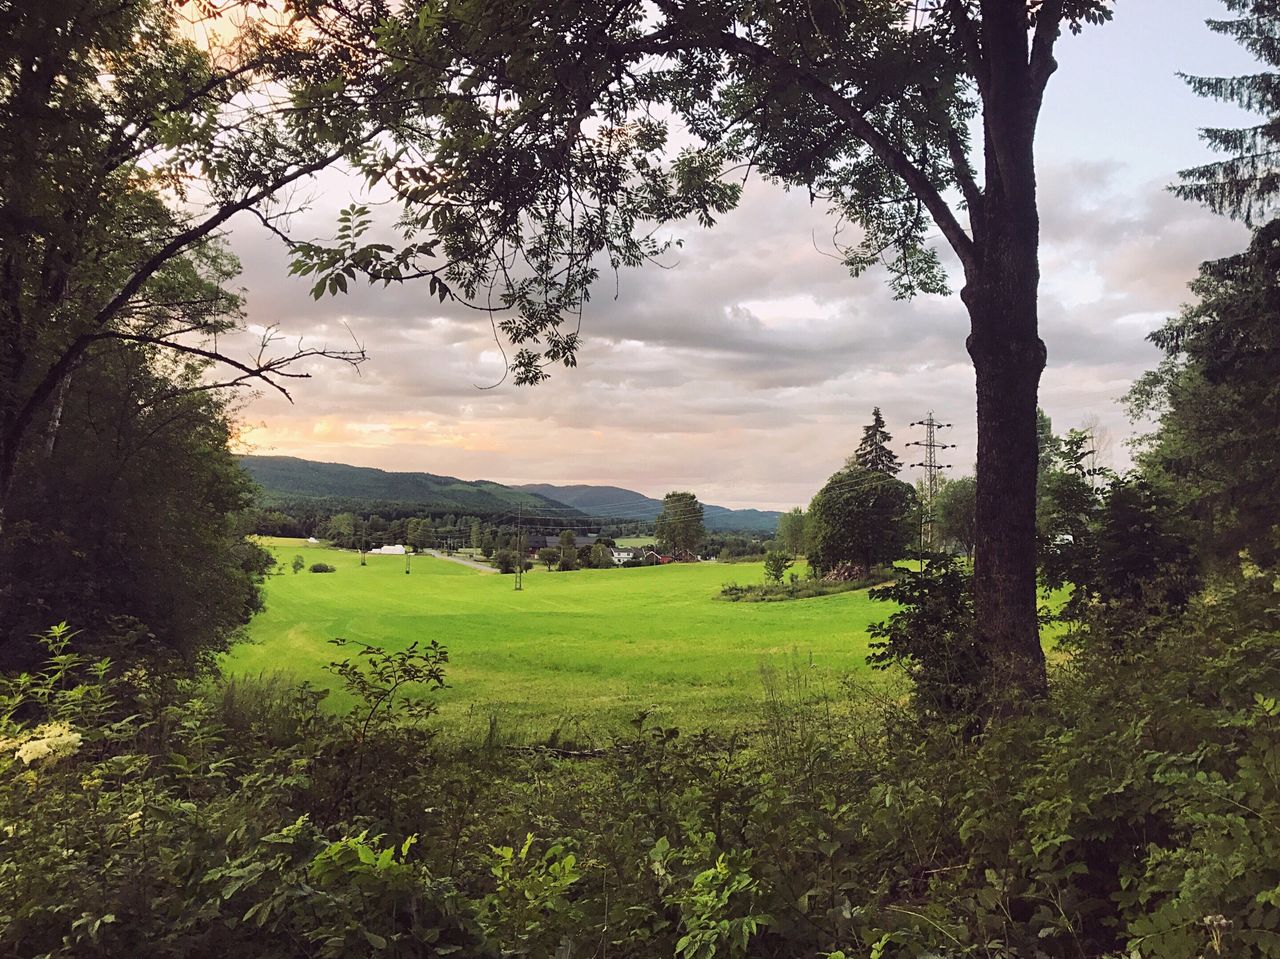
1001, 292
1008, 377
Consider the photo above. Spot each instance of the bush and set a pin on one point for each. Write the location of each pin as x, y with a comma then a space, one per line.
796, 588
322, 568
932, 638
776, 564
1131, 814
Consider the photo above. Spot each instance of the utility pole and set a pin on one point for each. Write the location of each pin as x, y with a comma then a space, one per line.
519, 547
932, 474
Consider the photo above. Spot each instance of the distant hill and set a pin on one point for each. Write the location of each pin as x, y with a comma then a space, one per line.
289, 479
619, 503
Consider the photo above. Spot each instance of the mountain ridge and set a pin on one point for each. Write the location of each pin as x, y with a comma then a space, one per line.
293, 478
588, 499
285, 478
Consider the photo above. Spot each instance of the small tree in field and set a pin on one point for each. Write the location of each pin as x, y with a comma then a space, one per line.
297, 564
548, 556
776, 563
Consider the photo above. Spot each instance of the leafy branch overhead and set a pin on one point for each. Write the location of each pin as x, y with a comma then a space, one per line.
538, 144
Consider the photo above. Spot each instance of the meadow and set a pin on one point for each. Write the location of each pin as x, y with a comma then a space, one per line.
581, 652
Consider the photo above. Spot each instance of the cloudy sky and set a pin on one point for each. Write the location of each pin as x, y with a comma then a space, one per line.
746, 372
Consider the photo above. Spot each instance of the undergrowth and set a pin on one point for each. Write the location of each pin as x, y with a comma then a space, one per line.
1132, 815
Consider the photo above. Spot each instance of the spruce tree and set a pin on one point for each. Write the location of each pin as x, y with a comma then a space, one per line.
873, 452
1244, 186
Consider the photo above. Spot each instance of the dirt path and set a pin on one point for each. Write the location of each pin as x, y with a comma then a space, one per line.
461, 561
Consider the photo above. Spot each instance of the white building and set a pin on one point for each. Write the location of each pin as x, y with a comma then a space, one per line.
396, 550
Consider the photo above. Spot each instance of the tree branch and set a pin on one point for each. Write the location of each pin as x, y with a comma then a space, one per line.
971, 44
973, 197
885, 149
1048, 29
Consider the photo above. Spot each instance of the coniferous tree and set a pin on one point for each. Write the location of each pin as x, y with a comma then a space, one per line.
1245, 185
1215, 452
873, 452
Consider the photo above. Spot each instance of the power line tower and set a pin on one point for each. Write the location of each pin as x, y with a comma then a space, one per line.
932, 473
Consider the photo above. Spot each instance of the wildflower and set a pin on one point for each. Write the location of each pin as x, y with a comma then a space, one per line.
49, 743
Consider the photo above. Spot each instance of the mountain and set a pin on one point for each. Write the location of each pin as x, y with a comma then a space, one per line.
618, 503
287, 478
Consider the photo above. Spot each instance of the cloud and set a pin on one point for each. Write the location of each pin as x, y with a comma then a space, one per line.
745, 369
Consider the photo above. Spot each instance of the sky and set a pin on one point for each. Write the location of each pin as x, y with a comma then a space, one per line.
746, 369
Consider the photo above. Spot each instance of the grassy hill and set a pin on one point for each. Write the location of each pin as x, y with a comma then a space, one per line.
289, 479
586, 649
614, 501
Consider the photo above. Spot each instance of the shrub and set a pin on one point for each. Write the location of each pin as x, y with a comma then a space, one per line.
796, 588
932, 637
776, 564
1131, 814
322, 568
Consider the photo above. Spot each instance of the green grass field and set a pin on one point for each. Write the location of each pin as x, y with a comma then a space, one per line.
634, 542
590, 647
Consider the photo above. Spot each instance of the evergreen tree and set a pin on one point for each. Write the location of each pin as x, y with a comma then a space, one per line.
1245, 185
873, 452
1215, 452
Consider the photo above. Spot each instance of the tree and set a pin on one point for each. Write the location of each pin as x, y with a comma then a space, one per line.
133, 523
505, 560
475, 534
105, 239
601, 556
775, 565
341, 530
297, 564
548, 556
873, 452
793, 531
861, 516
568, 550
1214, 454
550, 156
1245, 185
956, 509
680, 523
